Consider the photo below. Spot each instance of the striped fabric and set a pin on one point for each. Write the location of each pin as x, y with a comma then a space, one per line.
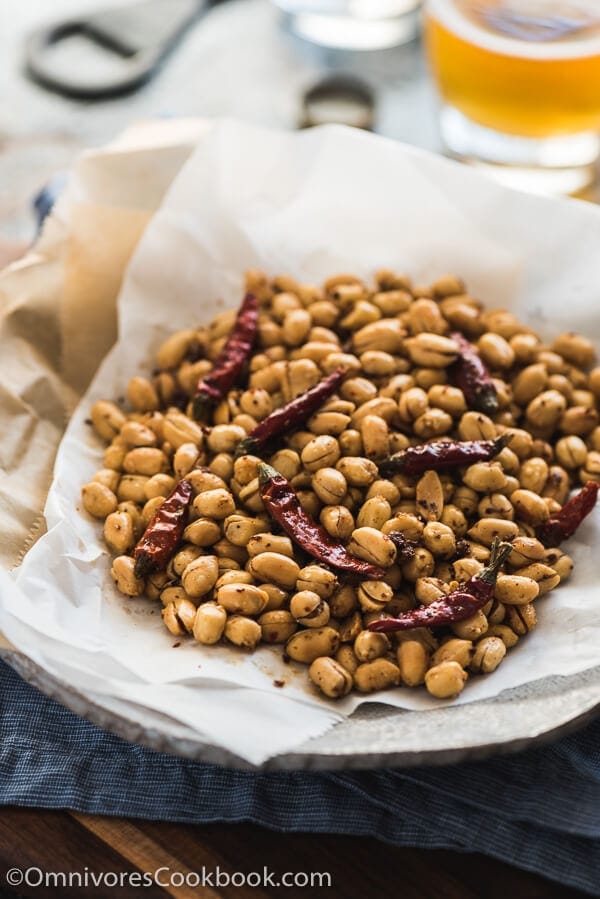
539, 810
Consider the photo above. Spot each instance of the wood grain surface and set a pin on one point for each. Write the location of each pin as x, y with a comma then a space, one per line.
60, 841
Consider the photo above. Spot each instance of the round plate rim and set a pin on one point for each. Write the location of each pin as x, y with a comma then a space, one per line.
302, 758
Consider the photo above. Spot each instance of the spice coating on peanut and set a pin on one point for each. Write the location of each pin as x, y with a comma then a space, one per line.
360, 454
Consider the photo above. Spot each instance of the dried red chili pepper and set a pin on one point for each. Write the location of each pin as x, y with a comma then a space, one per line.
291, 415
442, 454
282, 504
405, 548
564, 524
463, 602
471, 375
164, 532
230, 361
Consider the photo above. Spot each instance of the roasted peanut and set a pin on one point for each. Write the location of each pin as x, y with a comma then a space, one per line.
330, 485
439, 539
159, 485
545, 577
242, 599
369, 646
307, 645
454, 650
107, 419
218, 503
375, 437
142, 395
433, 423
521, 619
320, 452
516, 590
529, 507
430, 496
373, 596
578, 420
488, 654
98, 500
432, 350
450, 399
412, 661
118, 532
471, 628
476, 426
270, 543
374, 513
575, 348
487, 529
496, 505
372, 546
125, 579
545, 409
337, 521
485, 477
376, 675
277, 626
309, 609
242, 631
274, 567
344, 601
200, 576
445, 680
330, 677
571, 452
524, 551
202, 532
496, 351
422, 564
508, 636
209, 623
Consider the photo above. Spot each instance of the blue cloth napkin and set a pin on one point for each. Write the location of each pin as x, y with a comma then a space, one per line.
539, 810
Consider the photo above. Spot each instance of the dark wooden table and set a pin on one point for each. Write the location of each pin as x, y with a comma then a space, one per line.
58, 841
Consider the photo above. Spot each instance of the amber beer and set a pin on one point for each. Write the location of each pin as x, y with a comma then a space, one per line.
527, 68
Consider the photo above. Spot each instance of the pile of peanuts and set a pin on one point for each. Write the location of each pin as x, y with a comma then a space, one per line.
236, 578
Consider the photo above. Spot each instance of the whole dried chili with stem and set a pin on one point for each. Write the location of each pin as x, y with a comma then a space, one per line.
463, 602
564, 524
164, 532
442, 454
472, 376
291, 415
282, 504
230, 362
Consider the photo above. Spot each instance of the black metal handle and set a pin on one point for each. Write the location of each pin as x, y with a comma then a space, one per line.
140, 34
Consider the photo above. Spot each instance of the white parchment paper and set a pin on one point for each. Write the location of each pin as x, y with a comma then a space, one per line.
309, 204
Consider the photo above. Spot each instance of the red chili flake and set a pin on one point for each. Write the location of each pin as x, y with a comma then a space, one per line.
291, 415
230, 362
405, 548
442, 454
564, 524
471, 596
164, 532
472, 376
282, 504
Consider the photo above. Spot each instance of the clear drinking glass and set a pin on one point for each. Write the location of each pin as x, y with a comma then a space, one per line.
519, 82
353, 24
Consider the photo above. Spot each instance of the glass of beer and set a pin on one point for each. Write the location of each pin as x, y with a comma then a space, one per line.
519, 82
